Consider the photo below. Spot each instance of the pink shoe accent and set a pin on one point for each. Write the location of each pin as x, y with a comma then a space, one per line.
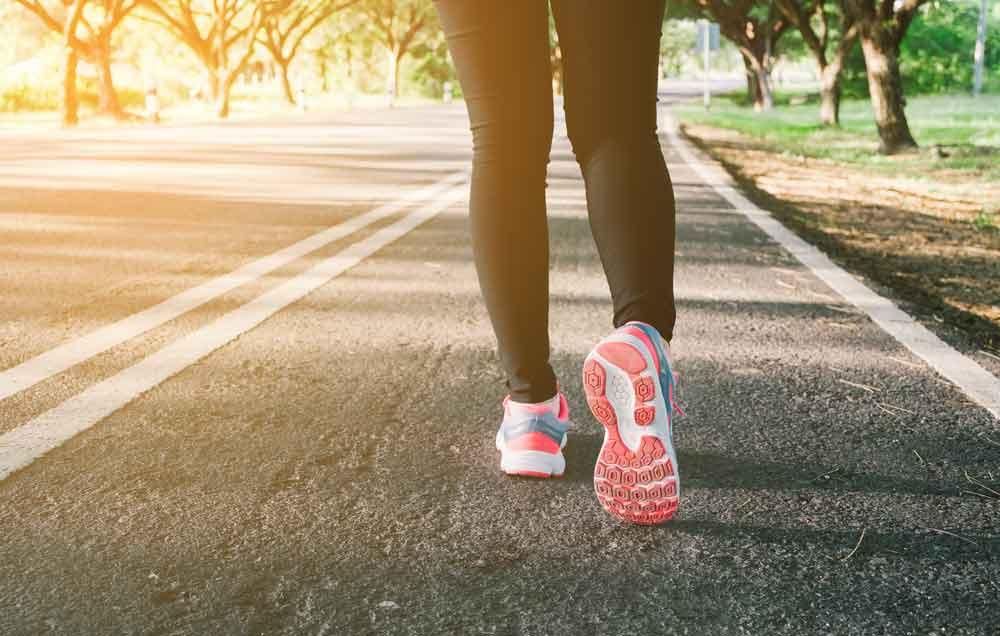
641, 335
645, 390
602, 410
623, 355
645, 415
535, 442
594, 378
673, 400
563, 413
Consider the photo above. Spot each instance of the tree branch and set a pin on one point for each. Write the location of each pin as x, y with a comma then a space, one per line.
37, 8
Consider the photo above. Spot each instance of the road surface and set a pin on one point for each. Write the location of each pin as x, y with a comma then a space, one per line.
304, 444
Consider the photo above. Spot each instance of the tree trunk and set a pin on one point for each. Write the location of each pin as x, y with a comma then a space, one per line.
286, 83
213, 85
881, 50
758, 86
224, 88
107, 98
829, 94
70, 101
979, 53
830, 74
222, 105
764, 81
392, 76
753, 88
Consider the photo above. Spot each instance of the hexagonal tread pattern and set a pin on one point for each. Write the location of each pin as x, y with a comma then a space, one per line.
640, 486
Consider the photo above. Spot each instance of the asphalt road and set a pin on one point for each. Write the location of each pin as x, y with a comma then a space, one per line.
331, 470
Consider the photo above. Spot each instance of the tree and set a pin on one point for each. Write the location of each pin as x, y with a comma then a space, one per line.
678, 40
221, 33
934, 55
555, 57
882, 24
755, 30
86, 27
812, 19
433, 70
287, 28
979, 52
336, 48
396, 24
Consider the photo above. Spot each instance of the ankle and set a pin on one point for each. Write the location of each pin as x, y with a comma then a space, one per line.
551, 403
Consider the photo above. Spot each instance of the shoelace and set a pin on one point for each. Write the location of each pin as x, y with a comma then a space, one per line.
674, 405
672, 397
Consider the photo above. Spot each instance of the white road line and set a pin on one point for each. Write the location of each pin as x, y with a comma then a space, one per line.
975, 381
56, 360
25, 444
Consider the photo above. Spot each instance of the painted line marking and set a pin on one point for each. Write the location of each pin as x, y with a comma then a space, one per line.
23, 445
975, 381
62, 357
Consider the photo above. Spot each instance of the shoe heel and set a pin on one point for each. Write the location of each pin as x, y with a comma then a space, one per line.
532, 464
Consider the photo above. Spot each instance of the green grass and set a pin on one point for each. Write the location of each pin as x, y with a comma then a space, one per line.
987, 221
967, 129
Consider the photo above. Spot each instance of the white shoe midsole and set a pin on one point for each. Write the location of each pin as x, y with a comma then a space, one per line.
530, 460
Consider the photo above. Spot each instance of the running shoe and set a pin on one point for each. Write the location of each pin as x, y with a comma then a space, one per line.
532, 436
630, 384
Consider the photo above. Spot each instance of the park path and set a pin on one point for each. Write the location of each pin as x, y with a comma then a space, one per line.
329, 469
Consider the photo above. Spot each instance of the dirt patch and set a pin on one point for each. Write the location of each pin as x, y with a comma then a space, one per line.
920, 238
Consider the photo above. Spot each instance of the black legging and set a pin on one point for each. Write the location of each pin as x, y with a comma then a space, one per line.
610, 53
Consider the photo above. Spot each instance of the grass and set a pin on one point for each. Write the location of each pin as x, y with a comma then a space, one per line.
987, 221
966, 132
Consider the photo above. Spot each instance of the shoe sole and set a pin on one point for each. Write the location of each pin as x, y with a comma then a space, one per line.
636, 477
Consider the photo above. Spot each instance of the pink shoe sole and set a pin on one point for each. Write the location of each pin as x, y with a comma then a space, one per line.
637, 485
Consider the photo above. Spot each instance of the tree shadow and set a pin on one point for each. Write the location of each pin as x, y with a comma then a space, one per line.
918, 277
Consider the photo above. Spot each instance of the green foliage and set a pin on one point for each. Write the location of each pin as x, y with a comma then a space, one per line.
781, 98
29, 75
987, 221
936, 54
793, 47
677, 44
854, 77
346, 55
130, 98
22, 96
432, 67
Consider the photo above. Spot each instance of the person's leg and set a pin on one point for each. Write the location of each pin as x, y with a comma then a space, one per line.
610, 53
501, 52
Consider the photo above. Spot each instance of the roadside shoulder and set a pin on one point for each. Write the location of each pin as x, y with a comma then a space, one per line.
938, 268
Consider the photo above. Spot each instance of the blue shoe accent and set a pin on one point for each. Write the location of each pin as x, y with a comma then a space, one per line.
668, 383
